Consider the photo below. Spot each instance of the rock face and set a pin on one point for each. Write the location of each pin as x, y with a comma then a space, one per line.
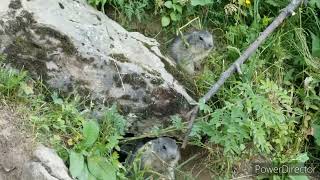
73, 46
47, 165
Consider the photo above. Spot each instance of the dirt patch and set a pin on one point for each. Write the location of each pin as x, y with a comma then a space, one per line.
15, 144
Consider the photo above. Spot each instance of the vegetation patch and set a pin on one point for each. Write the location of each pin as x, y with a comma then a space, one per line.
271, 107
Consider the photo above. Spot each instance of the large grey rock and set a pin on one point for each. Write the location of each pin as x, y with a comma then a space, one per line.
73, 46
46, 165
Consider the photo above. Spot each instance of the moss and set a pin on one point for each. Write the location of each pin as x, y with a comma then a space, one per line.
61, 5
147, 99
153, 72
20, 23
120, 57
135, 80
126, 97
15, 4
86, 60
66, 43
157, 81
34, 59
24, 51
117, 80
167, 102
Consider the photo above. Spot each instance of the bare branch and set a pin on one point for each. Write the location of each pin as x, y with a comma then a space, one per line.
289, 10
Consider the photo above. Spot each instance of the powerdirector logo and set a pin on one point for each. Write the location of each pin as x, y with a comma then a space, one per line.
311, 169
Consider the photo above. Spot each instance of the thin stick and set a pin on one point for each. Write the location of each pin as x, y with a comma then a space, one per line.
289, 10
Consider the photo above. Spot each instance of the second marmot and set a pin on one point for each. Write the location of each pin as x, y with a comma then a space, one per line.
188, 56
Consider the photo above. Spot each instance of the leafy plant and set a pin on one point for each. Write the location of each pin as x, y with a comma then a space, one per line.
89, 164
131, 8
12, 80
174, 12
250, 118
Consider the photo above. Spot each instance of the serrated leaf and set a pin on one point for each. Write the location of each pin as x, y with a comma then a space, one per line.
165, 21
168, 4
201, 2
90, 132
100, 168
76, 164
177, 122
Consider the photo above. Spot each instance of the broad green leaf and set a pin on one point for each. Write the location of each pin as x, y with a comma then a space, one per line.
90, 132
85, 175
76, 164
173, 16
178, 8
201, 2
165, 21
315, 45
168, 4
101, 168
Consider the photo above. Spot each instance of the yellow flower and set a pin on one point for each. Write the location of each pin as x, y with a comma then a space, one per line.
70, 142
248, 2
266, 20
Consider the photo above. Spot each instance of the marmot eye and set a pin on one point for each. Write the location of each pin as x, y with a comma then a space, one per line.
200, 38
164, 147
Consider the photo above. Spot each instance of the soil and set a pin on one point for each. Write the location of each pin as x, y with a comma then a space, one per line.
15, 143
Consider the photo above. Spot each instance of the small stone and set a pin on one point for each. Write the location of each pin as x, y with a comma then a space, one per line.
46, 166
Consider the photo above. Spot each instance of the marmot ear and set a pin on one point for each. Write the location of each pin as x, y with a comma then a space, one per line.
191, 37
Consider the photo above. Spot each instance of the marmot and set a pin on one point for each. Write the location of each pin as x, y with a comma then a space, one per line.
160, 155
189, 52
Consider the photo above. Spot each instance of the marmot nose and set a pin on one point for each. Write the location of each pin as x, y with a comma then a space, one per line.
210, 45
172, 156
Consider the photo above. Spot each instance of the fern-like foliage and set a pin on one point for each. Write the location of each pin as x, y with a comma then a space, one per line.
256, 116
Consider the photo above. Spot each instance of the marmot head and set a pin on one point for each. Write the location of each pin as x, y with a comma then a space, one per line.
167, 149
200, 41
